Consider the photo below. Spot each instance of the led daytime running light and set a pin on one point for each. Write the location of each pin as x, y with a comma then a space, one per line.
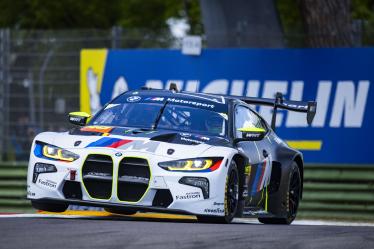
59, 153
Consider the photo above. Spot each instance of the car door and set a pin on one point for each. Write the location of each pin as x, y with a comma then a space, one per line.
259, 171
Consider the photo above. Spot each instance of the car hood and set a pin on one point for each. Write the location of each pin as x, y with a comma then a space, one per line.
163, 143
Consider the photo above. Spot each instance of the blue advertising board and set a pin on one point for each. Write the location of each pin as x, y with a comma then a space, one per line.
338, 79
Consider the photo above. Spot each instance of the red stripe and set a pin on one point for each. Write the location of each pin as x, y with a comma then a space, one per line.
216, 165
119, 143
262, 176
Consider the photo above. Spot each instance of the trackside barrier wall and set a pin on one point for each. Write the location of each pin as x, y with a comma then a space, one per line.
339, 79
331, 192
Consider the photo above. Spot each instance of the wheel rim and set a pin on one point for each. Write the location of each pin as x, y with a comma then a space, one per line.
232, 192
294, 193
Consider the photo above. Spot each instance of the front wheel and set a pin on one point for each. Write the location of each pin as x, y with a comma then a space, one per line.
231, 198
294, 194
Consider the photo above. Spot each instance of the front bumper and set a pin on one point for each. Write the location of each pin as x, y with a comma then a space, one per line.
186, 199
112, 205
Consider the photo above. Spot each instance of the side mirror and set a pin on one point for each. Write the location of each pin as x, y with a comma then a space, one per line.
251, 134
79, 118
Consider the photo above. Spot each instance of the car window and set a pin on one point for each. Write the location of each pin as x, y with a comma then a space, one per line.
189, 119
174, 117
245, 118
140, 115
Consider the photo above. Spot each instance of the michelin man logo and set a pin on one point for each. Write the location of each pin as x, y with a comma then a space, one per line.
119, 87
92, 88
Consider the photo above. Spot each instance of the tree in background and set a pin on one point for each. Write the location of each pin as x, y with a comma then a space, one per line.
327, 23
62, 14
315, 23
363, 14
98, 14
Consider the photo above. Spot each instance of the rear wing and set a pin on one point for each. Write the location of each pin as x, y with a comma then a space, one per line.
309, 107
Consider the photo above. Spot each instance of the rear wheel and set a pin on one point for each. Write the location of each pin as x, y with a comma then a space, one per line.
231, 198
121, 211
294, 194
49, 207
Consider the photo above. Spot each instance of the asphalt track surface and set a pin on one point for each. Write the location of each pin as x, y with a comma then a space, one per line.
128, 232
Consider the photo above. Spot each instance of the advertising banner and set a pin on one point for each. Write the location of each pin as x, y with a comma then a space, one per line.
338, 79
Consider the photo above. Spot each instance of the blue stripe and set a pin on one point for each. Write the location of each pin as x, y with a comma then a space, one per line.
257, 177
103, 142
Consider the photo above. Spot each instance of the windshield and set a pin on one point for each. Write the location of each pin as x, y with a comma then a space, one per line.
174, 117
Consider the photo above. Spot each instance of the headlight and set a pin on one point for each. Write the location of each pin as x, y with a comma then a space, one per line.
195, 164
57, 153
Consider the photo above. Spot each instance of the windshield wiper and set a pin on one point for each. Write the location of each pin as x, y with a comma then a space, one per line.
158, 118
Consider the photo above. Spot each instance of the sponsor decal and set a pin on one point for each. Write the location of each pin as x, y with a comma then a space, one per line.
188, 196
188, 135
77, 143
191, 140
214, 210
76, 119
251, 135
136, 178
189, 102
155, 99
218, 204
133, 99
101, 129
29, 193
254, 212
47, 183
98, 174
142, 145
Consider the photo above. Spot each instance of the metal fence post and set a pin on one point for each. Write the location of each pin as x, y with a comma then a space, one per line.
116, 36
4, 90
2, 96
42, 85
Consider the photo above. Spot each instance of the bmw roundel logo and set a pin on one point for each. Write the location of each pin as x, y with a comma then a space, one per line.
133, 99
118, 154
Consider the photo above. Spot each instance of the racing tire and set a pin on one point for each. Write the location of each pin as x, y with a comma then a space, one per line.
121, 211
231, 201
294, 196
49, 207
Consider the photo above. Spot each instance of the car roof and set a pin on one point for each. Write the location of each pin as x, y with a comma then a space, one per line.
198, 100
183, 94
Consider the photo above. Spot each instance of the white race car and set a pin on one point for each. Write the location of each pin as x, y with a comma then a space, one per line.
168, 151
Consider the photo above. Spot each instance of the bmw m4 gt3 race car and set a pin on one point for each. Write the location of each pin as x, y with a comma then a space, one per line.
175, 152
